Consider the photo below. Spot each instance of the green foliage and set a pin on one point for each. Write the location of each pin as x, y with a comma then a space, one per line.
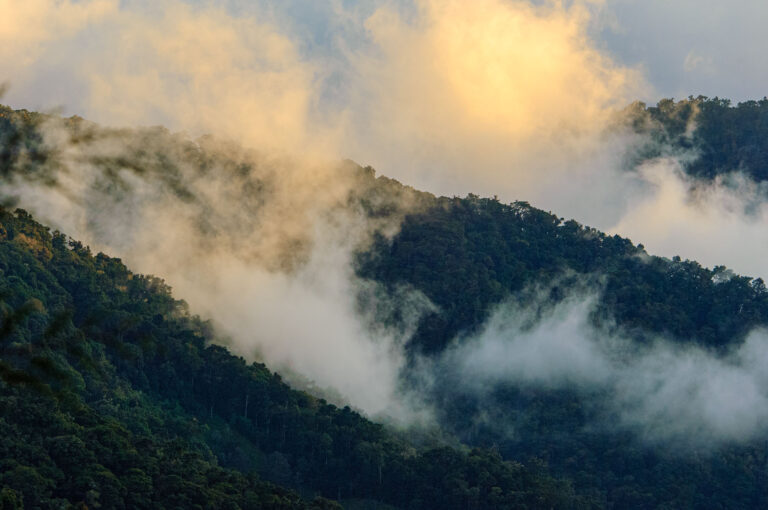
468, 255
112, 396
724, 138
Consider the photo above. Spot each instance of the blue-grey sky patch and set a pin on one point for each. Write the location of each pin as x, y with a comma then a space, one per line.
691, 47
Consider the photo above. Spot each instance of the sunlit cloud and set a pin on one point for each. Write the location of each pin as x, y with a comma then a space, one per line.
468, 96
422, 93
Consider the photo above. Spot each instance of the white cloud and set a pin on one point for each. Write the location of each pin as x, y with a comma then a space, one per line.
719, 223
662, 391
694, 61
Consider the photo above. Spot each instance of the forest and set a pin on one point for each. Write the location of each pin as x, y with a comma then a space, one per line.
725, 139
115, 395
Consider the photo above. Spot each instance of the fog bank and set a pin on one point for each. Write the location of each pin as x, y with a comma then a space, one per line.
664, 392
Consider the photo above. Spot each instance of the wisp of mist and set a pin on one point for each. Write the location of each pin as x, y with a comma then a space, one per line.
263, 246
663, 391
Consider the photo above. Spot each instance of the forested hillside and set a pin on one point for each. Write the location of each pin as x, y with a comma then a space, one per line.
467, 255
107, 367
723, 138
112, 396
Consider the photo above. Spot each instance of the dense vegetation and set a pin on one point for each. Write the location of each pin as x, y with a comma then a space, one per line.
104, 366
467, 255
724, 139
111, 395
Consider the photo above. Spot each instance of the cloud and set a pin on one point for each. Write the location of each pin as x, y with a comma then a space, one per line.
517, 345
663, 392
439, 93
676, 215
446, 95
484, 96
695, 396
36, 49
260, 244
29, 29
202, 70
694, 61
185, 66
258, 237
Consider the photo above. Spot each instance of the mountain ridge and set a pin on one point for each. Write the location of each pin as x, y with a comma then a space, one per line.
116, 349
468, 256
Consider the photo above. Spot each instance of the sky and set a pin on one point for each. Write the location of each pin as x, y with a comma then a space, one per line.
689, 47
684, 47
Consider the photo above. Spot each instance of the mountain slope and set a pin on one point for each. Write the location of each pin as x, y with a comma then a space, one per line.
112, 396
470, 257
723, 138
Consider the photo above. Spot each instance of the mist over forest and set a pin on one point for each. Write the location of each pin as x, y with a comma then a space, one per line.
398, 255
455, 321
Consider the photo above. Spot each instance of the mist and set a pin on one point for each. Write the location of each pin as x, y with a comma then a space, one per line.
515, 99
720, 222
261, 245
664, 392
